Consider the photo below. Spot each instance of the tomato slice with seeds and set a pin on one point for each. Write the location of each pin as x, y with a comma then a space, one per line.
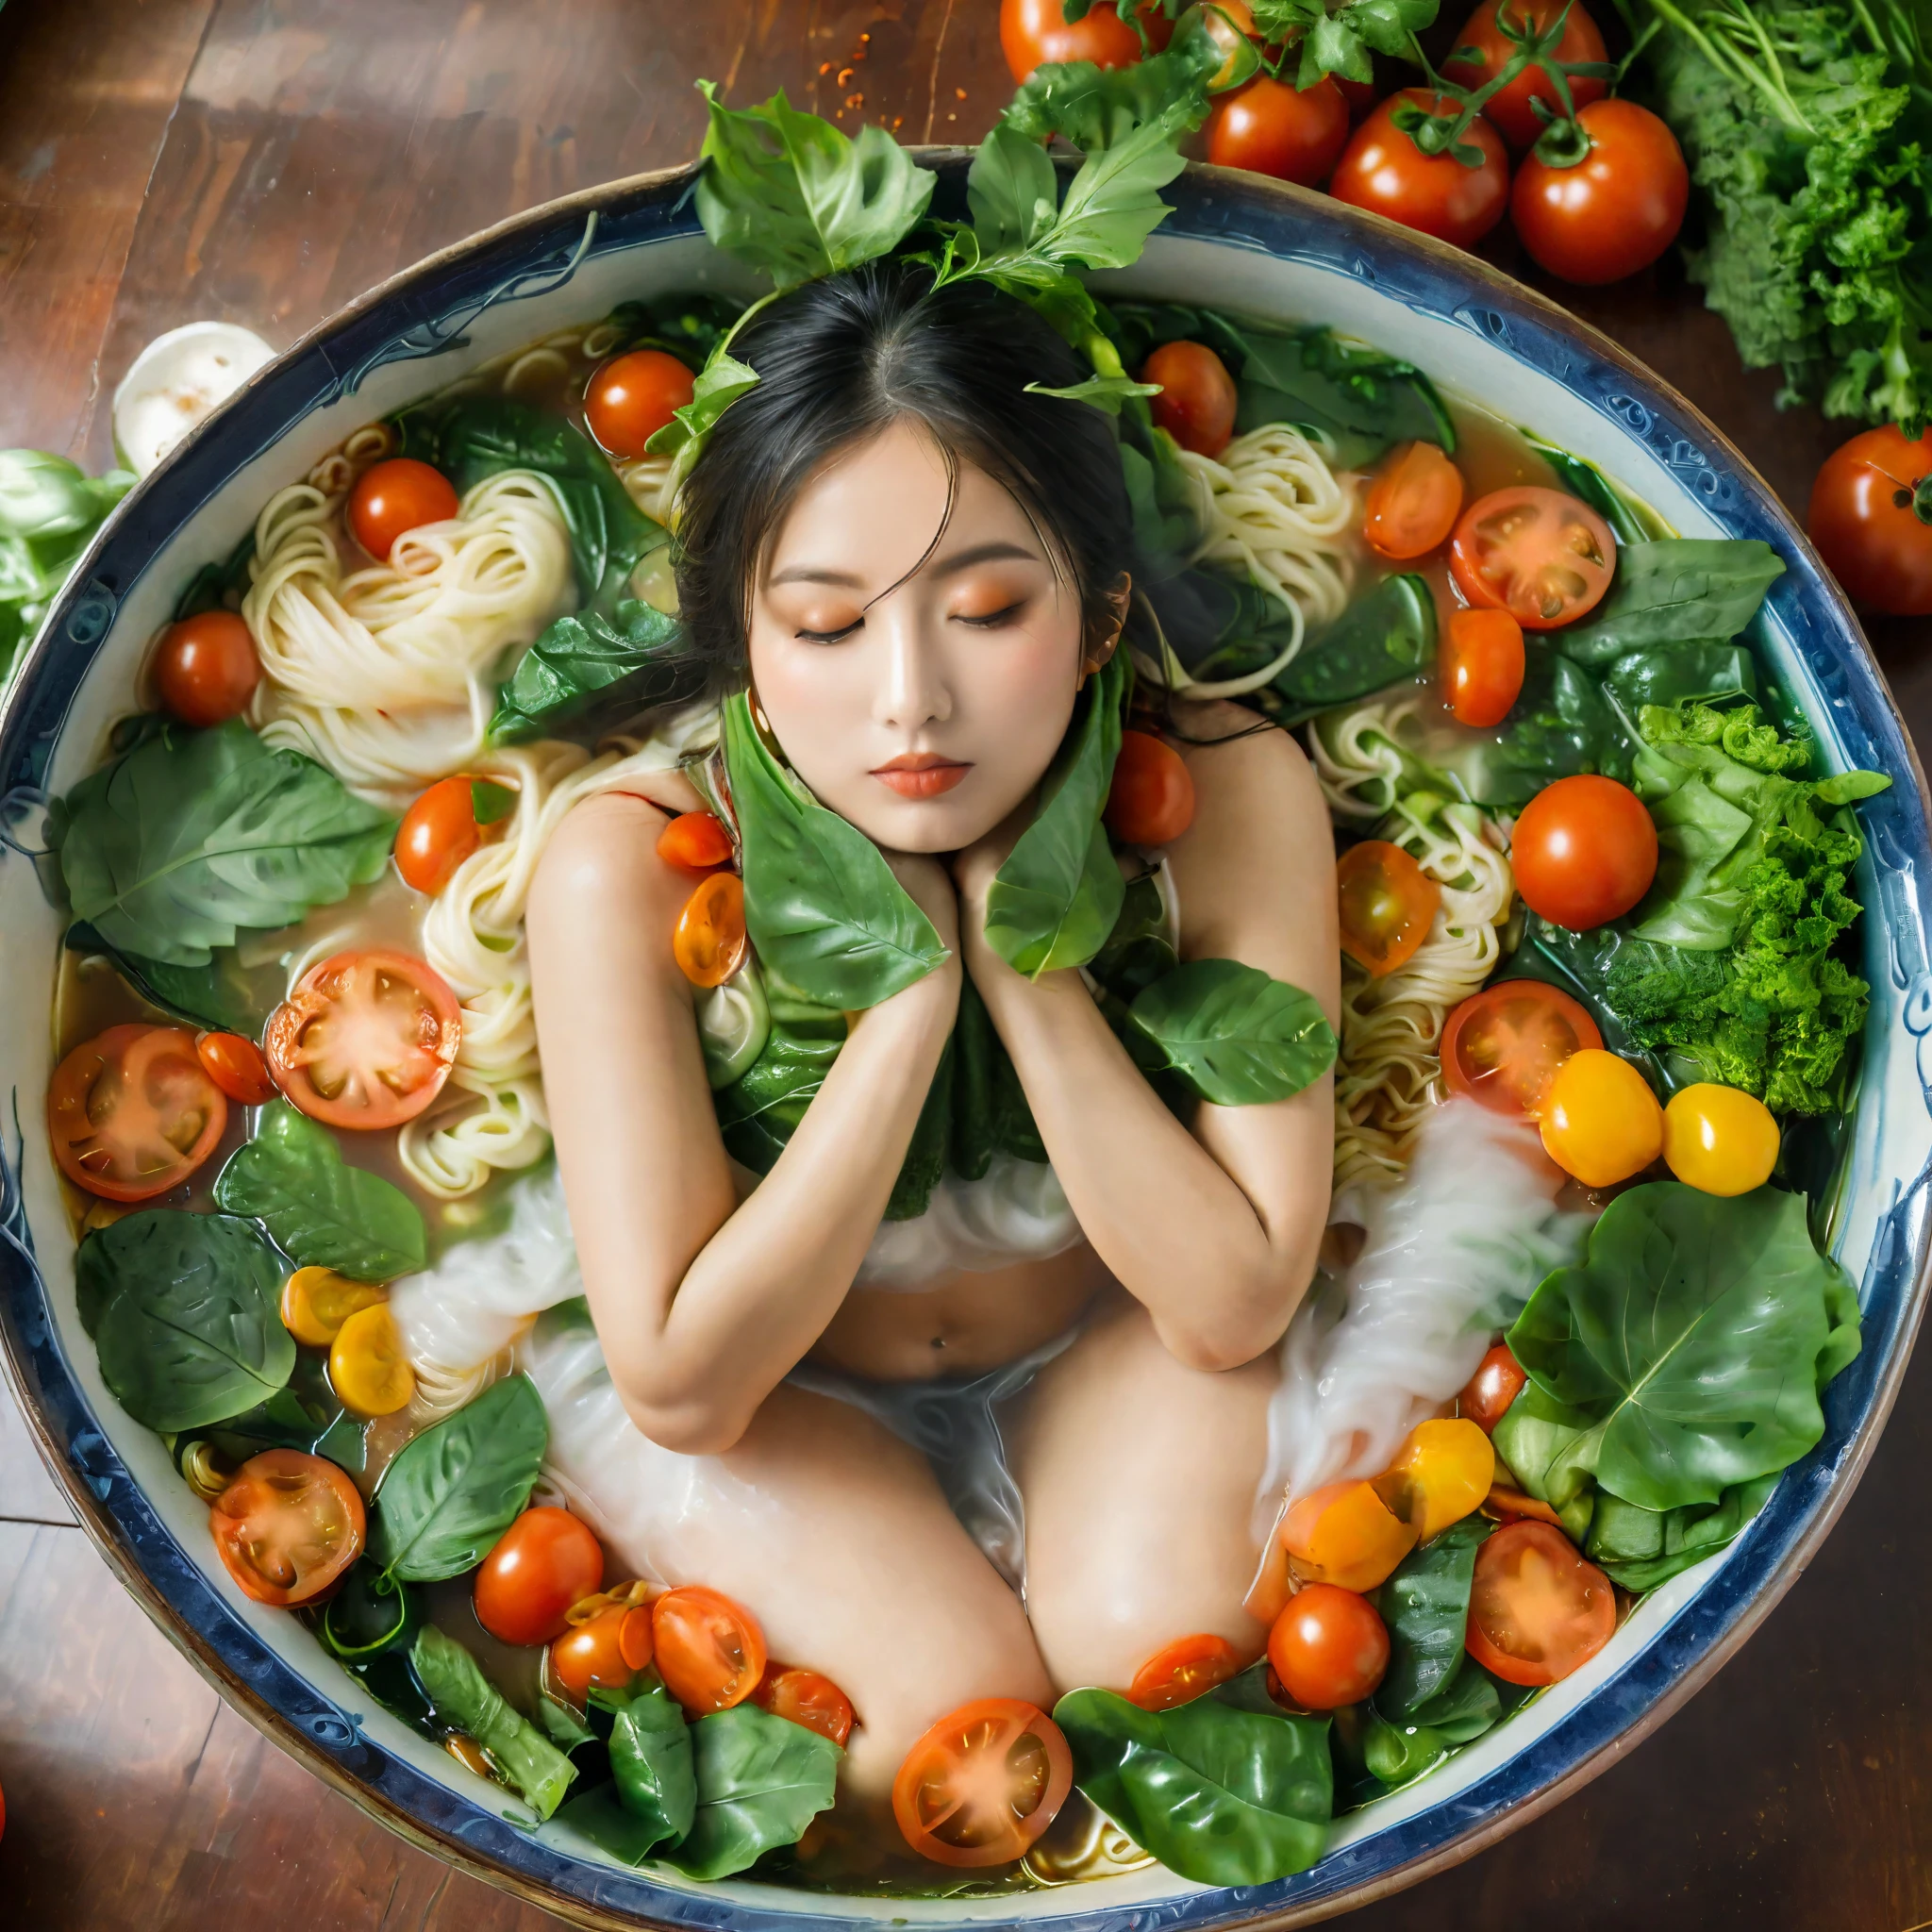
132, 1112
1184, 1670
1502, 1046
710, 1649
1539, 554
1388, 903
366, 1039
287, 1526
983, 1784
1537, 1610
806, 1698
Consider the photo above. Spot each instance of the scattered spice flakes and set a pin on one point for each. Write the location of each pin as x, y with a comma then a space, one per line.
958, 93
824, 67
845, 76
855, 100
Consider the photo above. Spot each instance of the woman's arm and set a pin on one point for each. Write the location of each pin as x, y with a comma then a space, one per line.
1215, 1232
704, 1306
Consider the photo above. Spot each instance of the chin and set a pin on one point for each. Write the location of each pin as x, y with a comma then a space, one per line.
924, 825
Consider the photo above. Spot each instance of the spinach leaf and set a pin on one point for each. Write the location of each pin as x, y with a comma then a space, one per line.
1631, 522
1216, 626
1167, 519
1468, 1705
1670, 674
465, 1698
184, 1309
1550, 1451
1640, 1549
370, 1615
761, 1110
1362, 399
1378, 640
990, 1115
761, 1781
1676, 591
1426, 1606
651, 1761
453, 1490
688, 325
588, 667
192, 834
1095, 108
218, 586
1235, 1035
223, 996
1398, 1754
1141, 949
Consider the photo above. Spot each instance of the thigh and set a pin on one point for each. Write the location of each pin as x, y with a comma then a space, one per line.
1138, 1477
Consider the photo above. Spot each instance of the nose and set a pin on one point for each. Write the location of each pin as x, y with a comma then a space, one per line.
913, 691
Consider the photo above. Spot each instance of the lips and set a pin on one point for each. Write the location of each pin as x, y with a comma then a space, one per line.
921, 775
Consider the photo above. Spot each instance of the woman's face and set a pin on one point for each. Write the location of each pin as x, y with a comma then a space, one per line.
922, 708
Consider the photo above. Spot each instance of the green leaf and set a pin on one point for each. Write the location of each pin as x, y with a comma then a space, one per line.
1380, 640
1097, 108
1012, 190
1551, 1450
719, 384
1113, 202
221, 995
761, 1781
43, 496
1103, 392
990, 1115
370, 1615
322, 1212
1672, 674
1641, 1549
652, 1762
1676, 591
460, 1693
453, 1490
588, 666
1236, 1037
1630, 521
1364, 400
1426, 1606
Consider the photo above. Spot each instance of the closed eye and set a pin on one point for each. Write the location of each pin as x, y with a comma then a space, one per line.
995, 618
829, 637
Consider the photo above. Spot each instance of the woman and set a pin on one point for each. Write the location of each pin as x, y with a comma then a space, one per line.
915, 564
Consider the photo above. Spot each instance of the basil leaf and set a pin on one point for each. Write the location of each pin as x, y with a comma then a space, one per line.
1426, 1606
589, 664
1013, 189
1381, 640
1364, 400
719, 384
1236, 1037
1676, 591
169, 851
652, 1762
453, 1490
461, 1695
184, 1309
761, 1781
322, 1212
1113, 202
223, 996
1097, 108
1103, 392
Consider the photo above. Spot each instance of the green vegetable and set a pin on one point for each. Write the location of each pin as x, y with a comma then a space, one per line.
221, 995
761, 1781
465, 1698
1362, 400
733, 1023
184, 1311
453, 1490
652, 1763
1470, 1704
1103, 392
1339, 36
1674, 674
192, 834
322, 1212
719, 384
926, 1154
49, 511
1380, 640
1235, 1035
1095, 108
588, 668
1643, 1548
1631, 520
1552, 1454
1676, 591
758, 1112
1426, 1606
218, 586
990, 1111
370, 1614
1397, 1754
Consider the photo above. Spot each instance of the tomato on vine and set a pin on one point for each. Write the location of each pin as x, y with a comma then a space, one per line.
1385, 170
1488, 36
1603, 196
1870, 518
1034, 32
1272, 127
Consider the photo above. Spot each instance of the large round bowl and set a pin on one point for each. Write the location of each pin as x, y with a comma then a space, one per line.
1236, 243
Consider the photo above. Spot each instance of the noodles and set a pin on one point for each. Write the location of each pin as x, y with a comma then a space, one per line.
648, 479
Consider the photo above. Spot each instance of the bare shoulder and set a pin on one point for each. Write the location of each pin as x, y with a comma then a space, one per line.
1251, 780
603, 858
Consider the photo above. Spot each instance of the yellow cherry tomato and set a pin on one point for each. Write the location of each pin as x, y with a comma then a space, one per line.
1345, 1534
1601, 1121
367, 1364
1440, 1473
317, 1301
1720, 1139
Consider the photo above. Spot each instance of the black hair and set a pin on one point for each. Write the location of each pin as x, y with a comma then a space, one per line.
843, 359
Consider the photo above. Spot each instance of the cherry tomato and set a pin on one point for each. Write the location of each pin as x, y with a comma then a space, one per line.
709, 941
1414, 502
1230, 24
132, 1112
632, 397
1345, 1534
1382, 169
1440, 1474
694, 842
1537, 1610
1479, 666
1197, 399
710, 1651
367, 1367
1613, 211
287, 1526
806, 1698
1183, 1671
1328, 1647
1870, 518
393, 498
436, 834
1151, 801
1388, 902
1497, 1382
1502, 1045
1509, 110
1360, 94
1272, 127
1512, 1505
237, 1066
983, 1784
1035, 31
204, 669
1720, 1139
545, 1562
1584, 851
608, 1650
317, 1301
366, 1039
1537, 553
1600, 1121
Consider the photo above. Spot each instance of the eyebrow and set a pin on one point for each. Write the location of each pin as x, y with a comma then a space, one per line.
998, 551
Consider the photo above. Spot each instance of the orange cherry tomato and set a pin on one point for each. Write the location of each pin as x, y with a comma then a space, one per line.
1512, 1505
694, 842
983, 1784
1414, 502
710, 942
607, 1652
1584, 851
1479, 666
204, 669
1509, 108
1613, 211
1497, 1382
367, 1366
710, 1649
1382, 169
287, 1526
393, 498
1033, 32
1272, 127
1197, 397
436, 834
1183, 1671
237, 1066
1345, 1534
1328, 1647
806, 1698
1151, 801
1502, 1046
1388, 902
1537, 1610
366, 1039
1870, 518
545, 1562
632, 397
317, 1301
1600, 1121
1440, 1474
1537, 553
132, 1112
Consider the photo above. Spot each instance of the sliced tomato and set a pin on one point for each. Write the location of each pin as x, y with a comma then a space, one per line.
1497, 1382
1502, 1046
287, 1526
317, 1301
806, 1698
983, 1784
1412, 504
236, 1066
1183, 1671
1539, 554
1537, 1610
366, 1039
545, 1562
1388, 903
710, 1649
694, 842
132, 1112
1151, 799
1479, 666
367, 1367
710, 942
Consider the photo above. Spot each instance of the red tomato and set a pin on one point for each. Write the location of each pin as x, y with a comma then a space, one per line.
1612, 212
983, 1784
1502, 1045
393, 498
1387, 902
1151, 801
1479, 665
436, 834
1035, 31
1870, 518
1383, 171
1584, 851
1412, 504
133, 1113
1328, 1647
1183, 1671
694, 842
1497, 1382
204, 669
1271, 127
1197, 397
366, 1039
1509, 108
806, 1698
709, 941
287, 1526
1537, 1610
1537, 553
237, 1066
545, 1562
607, 1650
710, 1651
1360, 94
634, 396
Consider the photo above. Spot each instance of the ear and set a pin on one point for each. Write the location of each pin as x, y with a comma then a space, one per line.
1104, 634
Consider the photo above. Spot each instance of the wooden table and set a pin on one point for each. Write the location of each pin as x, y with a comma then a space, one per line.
166, 160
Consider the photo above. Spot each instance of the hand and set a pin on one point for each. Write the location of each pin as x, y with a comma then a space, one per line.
929, 888
974, 869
